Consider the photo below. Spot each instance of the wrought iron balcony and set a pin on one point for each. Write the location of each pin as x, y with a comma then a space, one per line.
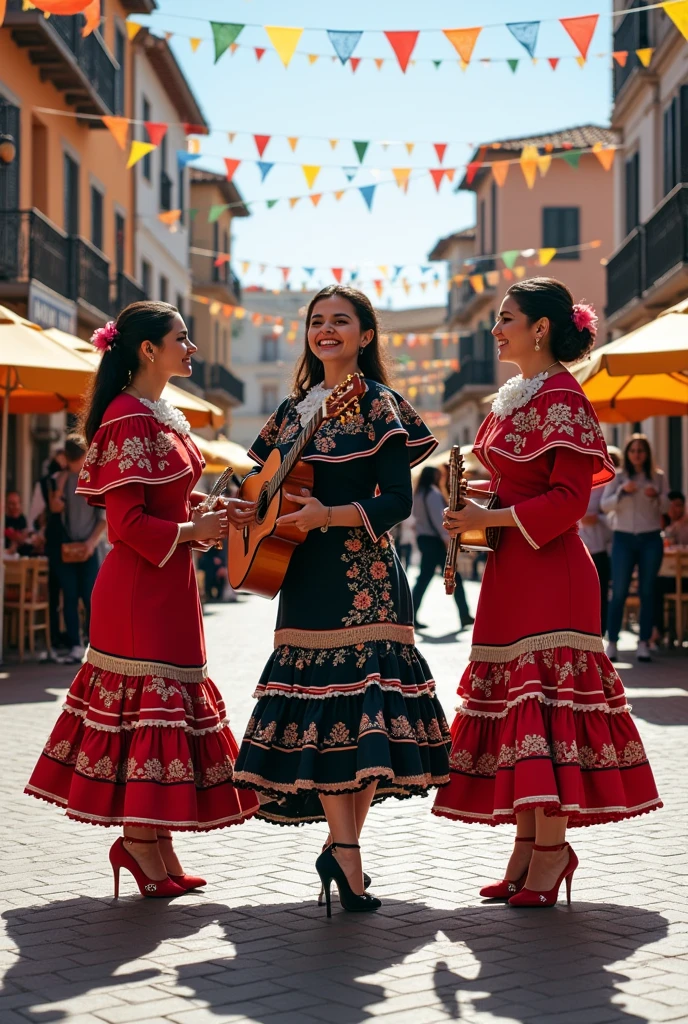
91, 276
474, 372
464, 298
81, 68
224, 384
31, 248
650, 253
633, 33
126, 291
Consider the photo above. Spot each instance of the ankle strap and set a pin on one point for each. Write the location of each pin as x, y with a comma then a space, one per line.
168, 838
524, 839
345, 846
545, 849
130, 839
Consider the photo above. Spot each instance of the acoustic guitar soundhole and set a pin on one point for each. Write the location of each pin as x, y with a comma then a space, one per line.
262, 505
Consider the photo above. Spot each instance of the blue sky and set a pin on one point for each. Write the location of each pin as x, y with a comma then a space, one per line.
425, 106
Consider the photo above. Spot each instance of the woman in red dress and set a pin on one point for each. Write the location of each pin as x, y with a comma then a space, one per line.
544, 737
143, 740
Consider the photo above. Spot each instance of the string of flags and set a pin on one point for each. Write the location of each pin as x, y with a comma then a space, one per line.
285, 40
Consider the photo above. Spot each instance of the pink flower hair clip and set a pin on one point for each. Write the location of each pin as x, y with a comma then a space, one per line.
584, 316
104, 336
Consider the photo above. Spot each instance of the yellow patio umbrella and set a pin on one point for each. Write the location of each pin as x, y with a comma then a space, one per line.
471, 462
198, 411
222, 453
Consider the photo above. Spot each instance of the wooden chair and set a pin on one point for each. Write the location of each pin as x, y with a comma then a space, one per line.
678, 601
26, 596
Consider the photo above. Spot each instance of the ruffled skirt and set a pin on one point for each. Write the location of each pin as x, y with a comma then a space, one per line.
549, 728
335, 720
143, 750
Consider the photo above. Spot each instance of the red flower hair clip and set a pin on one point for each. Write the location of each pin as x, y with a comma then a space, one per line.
104, 336
584, 316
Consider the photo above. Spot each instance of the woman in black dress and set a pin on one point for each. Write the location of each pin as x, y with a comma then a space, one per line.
346, 710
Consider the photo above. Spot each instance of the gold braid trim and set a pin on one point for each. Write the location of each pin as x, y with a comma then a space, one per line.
130, 667
321, 639
539, 642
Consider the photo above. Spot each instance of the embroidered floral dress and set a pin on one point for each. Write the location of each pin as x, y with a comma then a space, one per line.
544, 720
346, 698
143, 738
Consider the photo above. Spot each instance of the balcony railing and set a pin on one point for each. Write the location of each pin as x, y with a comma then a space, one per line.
91, 275
127, 291
650, 252
82, 68
31, 248
198, 372
220, 379
462, 295
478, 372
632, 34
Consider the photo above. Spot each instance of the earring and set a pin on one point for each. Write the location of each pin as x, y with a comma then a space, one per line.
152, 358
361, 349
537, 342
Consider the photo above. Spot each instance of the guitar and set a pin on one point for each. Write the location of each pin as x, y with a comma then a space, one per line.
484, 539
259, 553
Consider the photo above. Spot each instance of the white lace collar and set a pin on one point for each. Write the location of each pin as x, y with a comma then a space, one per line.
308, 407
167, 414
516, 393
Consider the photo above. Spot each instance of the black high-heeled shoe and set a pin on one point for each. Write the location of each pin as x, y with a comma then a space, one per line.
367, 881
330, 870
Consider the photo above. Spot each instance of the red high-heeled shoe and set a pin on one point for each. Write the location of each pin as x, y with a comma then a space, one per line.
185, 881
531, 898
121, 858
506, 888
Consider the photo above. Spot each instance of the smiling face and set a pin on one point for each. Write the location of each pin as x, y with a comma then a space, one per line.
334, 331
637, 455
173, 357
515, 335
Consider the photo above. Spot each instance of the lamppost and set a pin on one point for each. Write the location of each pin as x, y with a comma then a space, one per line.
8, 150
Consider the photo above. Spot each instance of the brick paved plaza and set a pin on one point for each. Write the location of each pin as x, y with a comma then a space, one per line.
256, 947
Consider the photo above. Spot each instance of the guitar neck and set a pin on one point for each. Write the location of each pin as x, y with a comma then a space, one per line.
455, 504
295, 453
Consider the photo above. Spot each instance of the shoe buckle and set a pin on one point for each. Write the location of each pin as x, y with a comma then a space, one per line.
151, 887
512, 887
543, 899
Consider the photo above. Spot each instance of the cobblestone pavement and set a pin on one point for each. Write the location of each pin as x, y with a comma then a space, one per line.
256, 947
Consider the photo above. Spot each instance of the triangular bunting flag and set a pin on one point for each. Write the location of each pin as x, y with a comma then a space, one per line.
477, 283
620, 56
231, 136
472, 169
350, 172
270, 203
572, 158
361, 148
133, 29
463, 40
223, 258
410, 146
184, 158
194, 43
337, 274
605, 156
92, 15
315, 198
264, 169
244, 266
285, 41
293, 142
379, 61
438, 64
492, 278
354, 62
581, 30
379, 285
312, 58
519, 272
553, 61
293, 201
310, 271
507, 275
216, 211
119, 128
261, 142
233, 48
333, 144
168, 36
645, 55
401, 176
437, 175
509, 257
440, 149
194, 129
403, 44
529, 162
156, 131
338, 195
526, 32
545, 255
513, 64
138, 151
224, 34
580, 61
679, 15
344, 43
231, 166
368, 191
169, 217
450, 172
259, 52
311, 172
544, 163
285, 273
500, 169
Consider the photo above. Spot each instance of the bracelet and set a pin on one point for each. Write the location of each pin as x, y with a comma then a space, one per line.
325, 528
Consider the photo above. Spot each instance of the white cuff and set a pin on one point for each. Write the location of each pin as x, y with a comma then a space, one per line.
523, 530
172, 549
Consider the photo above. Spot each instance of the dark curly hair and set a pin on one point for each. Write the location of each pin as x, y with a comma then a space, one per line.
138, 322
546, 297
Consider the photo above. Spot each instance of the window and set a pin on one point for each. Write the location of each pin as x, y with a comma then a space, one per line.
672, 148
493, 218
147, 278
560, 229
164, 288
268, 398
120, 74
119, 242
683, 131
97, 217
180, 303
632, 192
268, 350
146, 163
71, 195
165, 180
9, 175
225, 250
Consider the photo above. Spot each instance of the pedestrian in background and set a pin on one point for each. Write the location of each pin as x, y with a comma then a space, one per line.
675, 535
50, 526
428, 511
405, 539
82, 528
636, 497
596, 534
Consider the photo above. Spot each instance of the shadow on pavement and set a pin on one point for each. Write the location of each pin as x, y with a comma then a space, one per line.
287, 958
29, 683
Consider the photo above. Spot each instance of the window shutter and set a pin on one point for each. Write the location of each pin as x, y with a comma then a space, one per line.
683, 131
